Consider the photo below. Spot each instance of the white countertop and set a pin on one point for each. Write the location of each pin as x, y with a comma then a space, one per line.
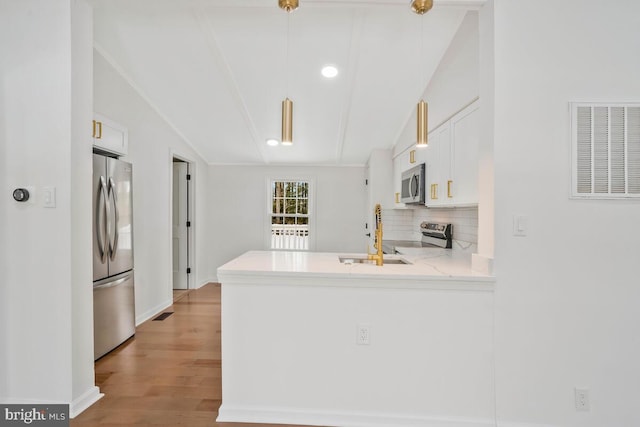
427, 264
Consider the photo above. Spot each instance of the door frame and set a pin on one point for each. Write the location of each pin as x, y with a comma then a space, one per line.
191, 231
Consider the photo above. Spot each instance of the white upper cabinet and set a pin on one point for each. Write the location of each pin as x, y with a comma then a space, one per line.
438, 165
452, 161
379, 175
380, 179
465, 128
109, 136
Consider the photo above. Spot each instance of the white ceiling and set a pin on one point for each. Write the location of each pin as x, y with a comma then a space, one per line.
216, 70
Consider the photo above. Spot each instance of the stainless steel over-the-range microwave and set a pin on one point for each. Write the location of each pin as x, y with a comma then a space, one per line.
413, 183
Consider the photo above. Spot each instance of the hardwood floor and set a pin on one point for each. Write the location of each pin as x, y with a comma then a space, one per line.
169, 374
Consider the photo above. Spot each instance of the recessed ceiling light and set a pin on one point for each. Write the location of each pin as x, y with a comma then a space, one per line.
272, 142
329, 71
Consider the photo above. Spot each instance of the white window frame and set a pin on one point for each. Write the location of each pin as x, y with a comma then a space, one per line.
311, 211
574, 194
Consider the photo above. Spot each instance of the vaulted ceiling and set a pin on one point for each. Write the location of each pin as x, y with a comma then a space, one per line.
218, 70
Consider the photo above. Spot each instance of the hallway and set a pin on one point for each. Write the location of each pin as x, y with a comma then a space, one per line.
169, 374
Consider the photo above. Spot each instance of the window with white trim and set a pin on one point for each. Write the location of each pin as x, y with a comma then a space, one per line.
605, 141
289, 216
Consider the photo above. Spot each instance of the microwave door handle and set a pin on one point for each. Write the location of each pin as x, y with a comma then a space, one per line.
411, 186
415, 179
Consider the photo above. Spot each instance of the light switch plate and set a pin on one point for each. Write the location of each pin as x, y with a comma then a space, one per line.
49, 197
520, 225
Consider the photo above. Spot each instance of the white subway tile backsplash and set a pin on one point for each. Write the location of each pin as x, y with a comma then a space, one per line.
404, 224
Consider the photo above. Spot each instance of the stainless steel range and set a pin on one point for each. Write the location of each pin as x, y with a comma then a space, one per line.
434, 235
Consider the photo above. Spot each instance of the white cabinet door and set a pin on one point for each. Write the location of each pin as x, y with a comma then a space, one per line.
452, 161
438, 166
110, 136
379, 175
465, 142
380, 179
401, 163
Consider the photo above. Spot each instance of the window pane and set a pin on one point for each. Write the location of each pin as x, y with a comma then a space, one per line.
276, 220
277, 189
278, 206
303, 220
291, 189
288, 220
291, 206
303, 207
303, 189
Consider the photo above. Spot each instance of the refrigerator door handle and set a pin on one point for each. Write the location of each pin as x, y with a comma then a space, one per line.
112, 284
102, 214
113, 242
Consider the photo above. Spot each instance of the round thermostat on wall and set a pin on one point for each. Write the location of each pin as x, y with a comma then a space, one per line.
21, 194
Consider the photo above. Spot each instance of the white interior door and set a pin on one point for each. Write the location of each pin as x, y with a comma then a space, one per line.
180, 230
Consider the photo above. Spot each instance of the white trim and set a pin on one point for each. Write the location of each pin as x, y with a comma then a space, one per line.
88, 398
312, 209
120, 70
349, 281
228, 413
482, 264
140, 319
440, 4
290, 165
192, 217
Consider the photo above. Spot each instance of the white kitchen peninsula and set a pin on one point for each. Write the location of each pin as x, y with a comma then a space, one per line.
292, 354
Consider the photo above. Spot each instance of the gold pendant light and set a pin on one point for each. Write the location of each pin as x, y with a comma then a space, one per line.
287, 105
288, 5
422, 114
287, 122
421, 7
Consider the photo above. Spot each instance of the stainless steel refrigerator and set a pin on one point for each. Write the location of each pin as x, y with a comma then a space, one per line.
113, 292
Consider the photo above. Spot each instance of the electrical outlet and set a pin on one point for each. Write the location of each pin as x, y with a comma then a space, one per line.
363, 336
582, 399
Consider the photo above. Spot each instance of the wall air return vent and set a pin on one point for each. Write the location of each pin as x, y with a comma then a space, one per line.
605, 149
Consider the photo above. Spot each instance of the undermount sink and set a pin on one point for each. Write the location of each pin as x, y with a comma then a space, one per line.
362, 259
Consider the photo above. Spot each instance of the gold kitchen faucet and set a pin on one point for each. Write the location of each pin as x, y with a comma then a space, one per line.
377, 243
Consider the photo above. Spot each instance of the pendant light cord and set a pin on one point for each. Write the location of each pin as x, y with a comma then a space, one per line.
420, 58
286, 91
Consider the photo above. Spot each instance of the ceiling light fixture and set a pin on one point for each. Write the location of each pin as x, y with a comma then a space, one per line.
329, 71
272, 142
421, 7
287, 105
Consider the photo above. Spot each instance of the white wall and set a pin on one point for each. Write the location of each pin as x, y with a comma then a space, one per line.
152, 142
44, 277
567, 296
84, 392
455, 82
454, 85
238, 208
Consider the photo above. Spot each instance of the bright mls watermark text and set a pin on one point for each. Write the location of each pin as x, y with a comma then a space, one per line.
34, 415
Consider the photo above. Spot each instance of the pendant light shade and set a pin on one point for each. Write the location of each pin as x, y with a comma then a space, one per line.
287, 105
422, 124
288, 5
421, 6
287, 122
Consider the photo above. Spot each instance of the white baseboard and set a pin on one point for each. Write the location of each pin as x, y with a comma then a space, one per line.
341, 419
516, 424
87, 399
207, 282
152, 312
